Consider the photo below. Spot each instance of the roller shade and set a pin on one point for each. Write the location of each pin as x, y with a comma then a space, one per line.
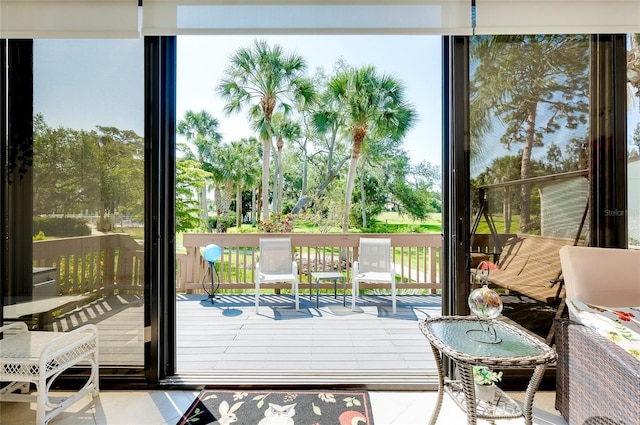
69, 19
174, 17
557, 16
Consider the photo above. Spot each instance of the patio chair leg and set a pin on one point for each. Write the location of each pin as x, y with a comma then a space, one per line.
354, 291
257, 307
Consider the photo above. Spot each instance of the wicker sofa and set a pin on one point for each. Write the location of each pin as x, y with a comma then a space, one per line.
597, 381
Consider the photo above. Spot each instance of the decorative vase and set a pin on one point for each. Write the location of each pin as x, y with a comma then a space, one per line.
485, 392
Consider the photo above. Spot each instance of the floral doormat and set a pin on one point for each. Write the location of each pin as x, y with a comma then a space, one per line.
324, 407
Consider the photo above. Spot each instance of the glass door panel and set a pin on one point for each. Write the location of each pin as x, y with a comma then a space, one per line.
88, 192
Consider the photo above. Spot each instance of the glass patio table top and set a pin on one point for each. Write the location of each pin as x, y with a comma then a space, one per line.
450, 334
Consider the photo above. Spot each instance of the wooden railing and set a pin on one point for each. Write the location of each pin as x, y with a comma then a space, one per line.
417, 258
93, 264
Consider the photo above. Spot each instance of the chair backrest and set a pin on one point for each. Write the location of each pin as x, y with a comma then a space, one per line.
375, 255
275, 255
608, 277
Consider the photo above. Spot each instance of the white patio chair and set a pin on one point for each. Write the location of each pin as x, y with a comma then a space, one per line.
276, 265
374, 265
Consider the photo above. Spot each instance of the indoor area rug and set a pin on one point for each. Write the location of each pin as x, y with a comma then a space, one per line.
280, 407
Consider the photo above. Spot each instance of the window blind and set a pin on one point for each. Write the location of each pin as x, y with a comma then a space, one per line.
174, 17
69, 19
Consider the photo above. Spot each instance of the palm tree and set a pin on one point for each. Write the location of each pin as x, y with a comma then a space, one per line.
264, 78
375, 109
201, 130
283, 129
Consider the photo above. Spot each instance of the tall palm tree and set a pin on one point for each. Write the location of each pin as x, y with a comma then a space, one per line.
375, 109
201, 131
283, 129
264, 78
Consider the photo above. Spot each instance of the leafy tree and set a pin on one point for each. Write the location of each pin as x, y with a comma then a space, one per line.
76, 170
247, 168
201, 131
189, 177
121, 158
375, 109
264, 78
518, 80
323, 124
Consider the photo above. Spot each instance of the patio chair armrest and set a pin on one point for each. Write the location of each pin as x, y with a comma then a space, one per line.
19, 327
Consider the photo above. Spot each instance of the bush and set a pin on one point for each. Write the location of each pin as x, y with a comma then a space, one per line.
224, 223
277, 223
62, 227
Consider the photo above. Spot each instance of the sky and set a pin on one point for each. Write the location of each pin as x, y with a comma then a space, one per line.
85, 83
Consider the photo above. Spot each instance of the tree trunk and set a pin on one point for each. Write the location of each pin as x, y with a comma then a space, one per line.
280, 188
254, 206
506, 209
217, 194
525, 172
203, 204
266, 157
239, 207
358, 137
363, 203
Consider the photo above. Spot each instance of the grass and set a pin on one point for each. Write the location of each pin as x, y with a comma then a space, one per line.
498, 220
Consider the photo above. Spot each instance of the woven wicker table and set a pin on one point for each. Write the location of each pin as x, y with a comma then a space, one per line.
37, 357
448, 336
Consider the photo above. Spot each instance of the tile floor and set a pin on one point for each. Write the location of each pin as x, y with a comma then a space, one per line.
165, 407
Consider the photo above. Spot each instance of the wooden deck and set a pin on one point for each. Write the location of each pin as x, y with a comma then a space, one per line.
227, 343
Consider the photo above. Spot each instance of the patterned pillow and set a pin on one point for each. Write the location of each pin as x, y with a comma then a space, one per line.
620, 325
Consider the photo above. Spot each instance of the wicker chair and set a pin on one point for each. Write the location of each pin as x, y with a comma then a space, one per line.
597, 382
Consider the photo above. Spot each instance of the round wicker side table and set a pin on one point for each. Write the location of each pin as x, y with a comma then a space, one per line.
448, 336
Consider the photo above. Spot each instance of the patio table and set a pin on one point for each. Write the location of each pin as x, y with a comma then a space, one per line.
334, 276
448, 336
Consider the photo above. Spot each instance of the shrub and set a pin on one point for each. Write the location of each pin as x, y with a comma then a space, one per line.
277, 223
63, 227
224, 223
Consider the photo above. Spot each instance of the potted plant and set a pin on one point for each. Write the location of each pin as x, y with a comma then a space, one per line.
485, 382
